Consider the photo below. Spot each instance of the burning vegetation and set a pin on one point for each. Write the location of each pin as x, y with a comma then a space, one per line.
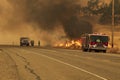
71, 44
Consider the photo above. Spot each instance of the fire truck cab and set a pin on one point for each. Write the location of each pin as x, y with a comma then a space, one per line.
95, 42
24, 41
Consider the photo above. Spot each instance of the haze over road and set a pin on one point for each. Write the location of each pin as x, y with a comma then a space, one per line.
62, 64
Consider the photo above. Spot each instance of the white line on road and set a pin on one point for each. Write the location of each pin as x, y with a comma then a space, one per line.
49, 50
71, 66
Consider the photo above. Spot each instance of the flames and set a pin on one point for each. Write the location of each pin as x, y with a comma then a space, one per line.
74, 44
70, 44
109, 46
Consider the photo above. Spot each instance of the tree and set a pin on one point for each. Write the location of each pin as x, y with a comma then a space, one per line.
106, 17
99, 7
95, 7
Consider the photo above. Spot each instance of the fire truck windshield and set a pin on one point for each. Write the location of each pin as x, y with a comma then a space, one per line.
95, 38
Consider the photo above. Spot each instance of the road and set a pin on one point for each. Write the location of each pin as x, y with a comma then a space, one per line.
60, 64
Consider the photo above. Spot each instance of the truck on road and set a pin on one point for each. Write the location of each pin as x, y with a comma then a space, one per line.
24, 41
95, 42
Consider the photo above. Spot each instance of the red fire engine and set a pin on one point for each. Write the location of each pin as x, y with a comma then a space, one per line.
96, 42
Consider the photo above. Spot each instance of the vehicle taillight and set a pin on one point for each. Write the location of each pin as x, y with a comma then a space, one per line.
93, 43
105, 43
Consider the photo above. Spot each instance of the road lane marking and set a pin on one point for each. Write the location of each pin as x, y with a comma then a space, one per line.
90, 58
49, 50
71, 66
74, 55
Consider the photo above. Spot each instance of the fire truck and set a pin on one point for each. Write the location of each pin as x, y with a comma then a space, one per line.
95, 42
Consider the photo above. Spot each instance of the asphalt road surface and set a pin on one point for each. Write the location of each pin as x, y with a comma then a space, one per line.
59, 64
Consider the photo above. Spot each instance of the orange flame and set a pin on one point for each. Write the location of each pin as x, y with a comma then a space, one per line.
72, 44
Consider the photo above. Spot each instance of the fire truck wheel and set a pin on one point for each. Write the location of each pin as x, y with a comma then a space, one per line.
21, 45
27, 45
85, 50
97, 51
89, 50
104, 51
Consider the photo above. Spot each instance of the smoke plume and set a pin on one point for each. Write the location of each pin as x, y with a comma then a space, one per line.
48, 14
42, 17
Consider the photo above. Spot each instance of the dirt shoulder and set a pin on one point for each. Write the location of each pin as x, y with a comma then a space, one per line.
8, 68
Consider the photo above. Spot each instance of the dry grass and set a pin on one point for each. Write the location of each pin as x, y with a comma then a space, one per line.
114, 50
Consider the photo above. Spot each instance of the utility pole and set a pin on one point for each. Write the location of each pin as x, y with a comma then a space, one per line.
113, 23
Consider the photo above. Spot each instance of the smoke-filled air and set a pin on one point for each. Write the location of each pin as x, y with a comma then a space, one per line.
44, 20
